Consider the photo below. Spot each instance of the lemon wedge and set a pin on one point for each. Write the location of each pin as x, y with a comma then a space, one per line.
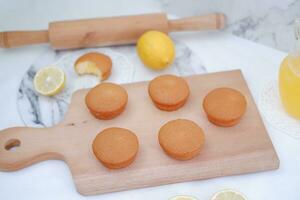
183, 197
228, 194
49, 81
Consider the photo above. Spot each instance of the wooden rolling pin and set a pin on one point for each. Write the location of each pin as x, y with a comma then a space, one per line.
107, 31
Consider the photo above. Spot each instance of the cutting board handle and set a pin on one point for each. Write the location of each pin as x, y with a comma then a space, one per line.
205, 22
22, 146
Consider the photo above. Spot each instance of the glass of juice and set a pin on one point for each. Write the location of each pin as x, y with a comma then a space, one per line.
289, 78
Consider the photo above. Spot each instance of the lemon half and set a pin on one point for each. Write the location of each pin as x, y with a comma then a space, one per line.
49, 81
156, 50
228, 194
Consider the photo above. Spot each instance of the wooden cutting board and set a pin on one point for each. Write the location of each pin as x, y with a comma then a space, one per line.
241, 149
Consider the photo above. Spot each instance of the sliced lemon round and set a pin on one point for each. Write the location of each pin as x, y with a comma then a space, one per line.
49, 81
183, 197
228, 194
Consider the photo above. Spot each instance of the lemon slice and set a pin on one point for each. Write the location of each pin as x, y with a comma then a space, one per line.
183, 197
228, 194
49, 80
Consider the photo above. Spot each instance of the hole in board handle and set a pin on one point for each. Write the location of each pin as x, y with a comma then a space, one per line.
12, 144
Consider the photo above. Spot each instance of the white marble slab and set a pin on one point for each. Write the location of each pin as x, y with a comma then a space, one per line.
269, 22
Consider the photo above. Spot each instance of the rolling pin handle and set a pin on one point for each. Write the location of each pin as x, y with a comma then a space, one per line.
21, 147
22, 38
205, 22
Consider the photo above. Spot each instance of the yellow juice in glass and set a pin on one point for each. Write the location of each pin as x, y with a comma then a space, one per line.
289, 84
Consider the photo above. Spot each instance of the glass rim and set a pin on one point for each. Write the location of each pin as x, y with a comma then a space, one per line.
297, 28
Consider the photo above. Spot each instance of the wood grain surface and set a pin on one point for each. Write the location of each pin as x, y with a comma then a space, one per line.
241, 149
108, 31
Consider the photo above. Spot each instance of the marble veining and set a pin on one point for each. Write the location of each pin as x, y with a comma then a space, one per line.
40, 111
275, 28
269, 22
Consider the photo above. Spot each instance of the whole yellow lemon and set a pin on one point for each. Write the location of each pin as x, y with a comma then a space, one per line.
156, 50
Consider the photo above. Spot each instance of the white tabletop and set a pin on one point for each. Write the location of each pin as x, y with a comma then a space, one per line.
218, 52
